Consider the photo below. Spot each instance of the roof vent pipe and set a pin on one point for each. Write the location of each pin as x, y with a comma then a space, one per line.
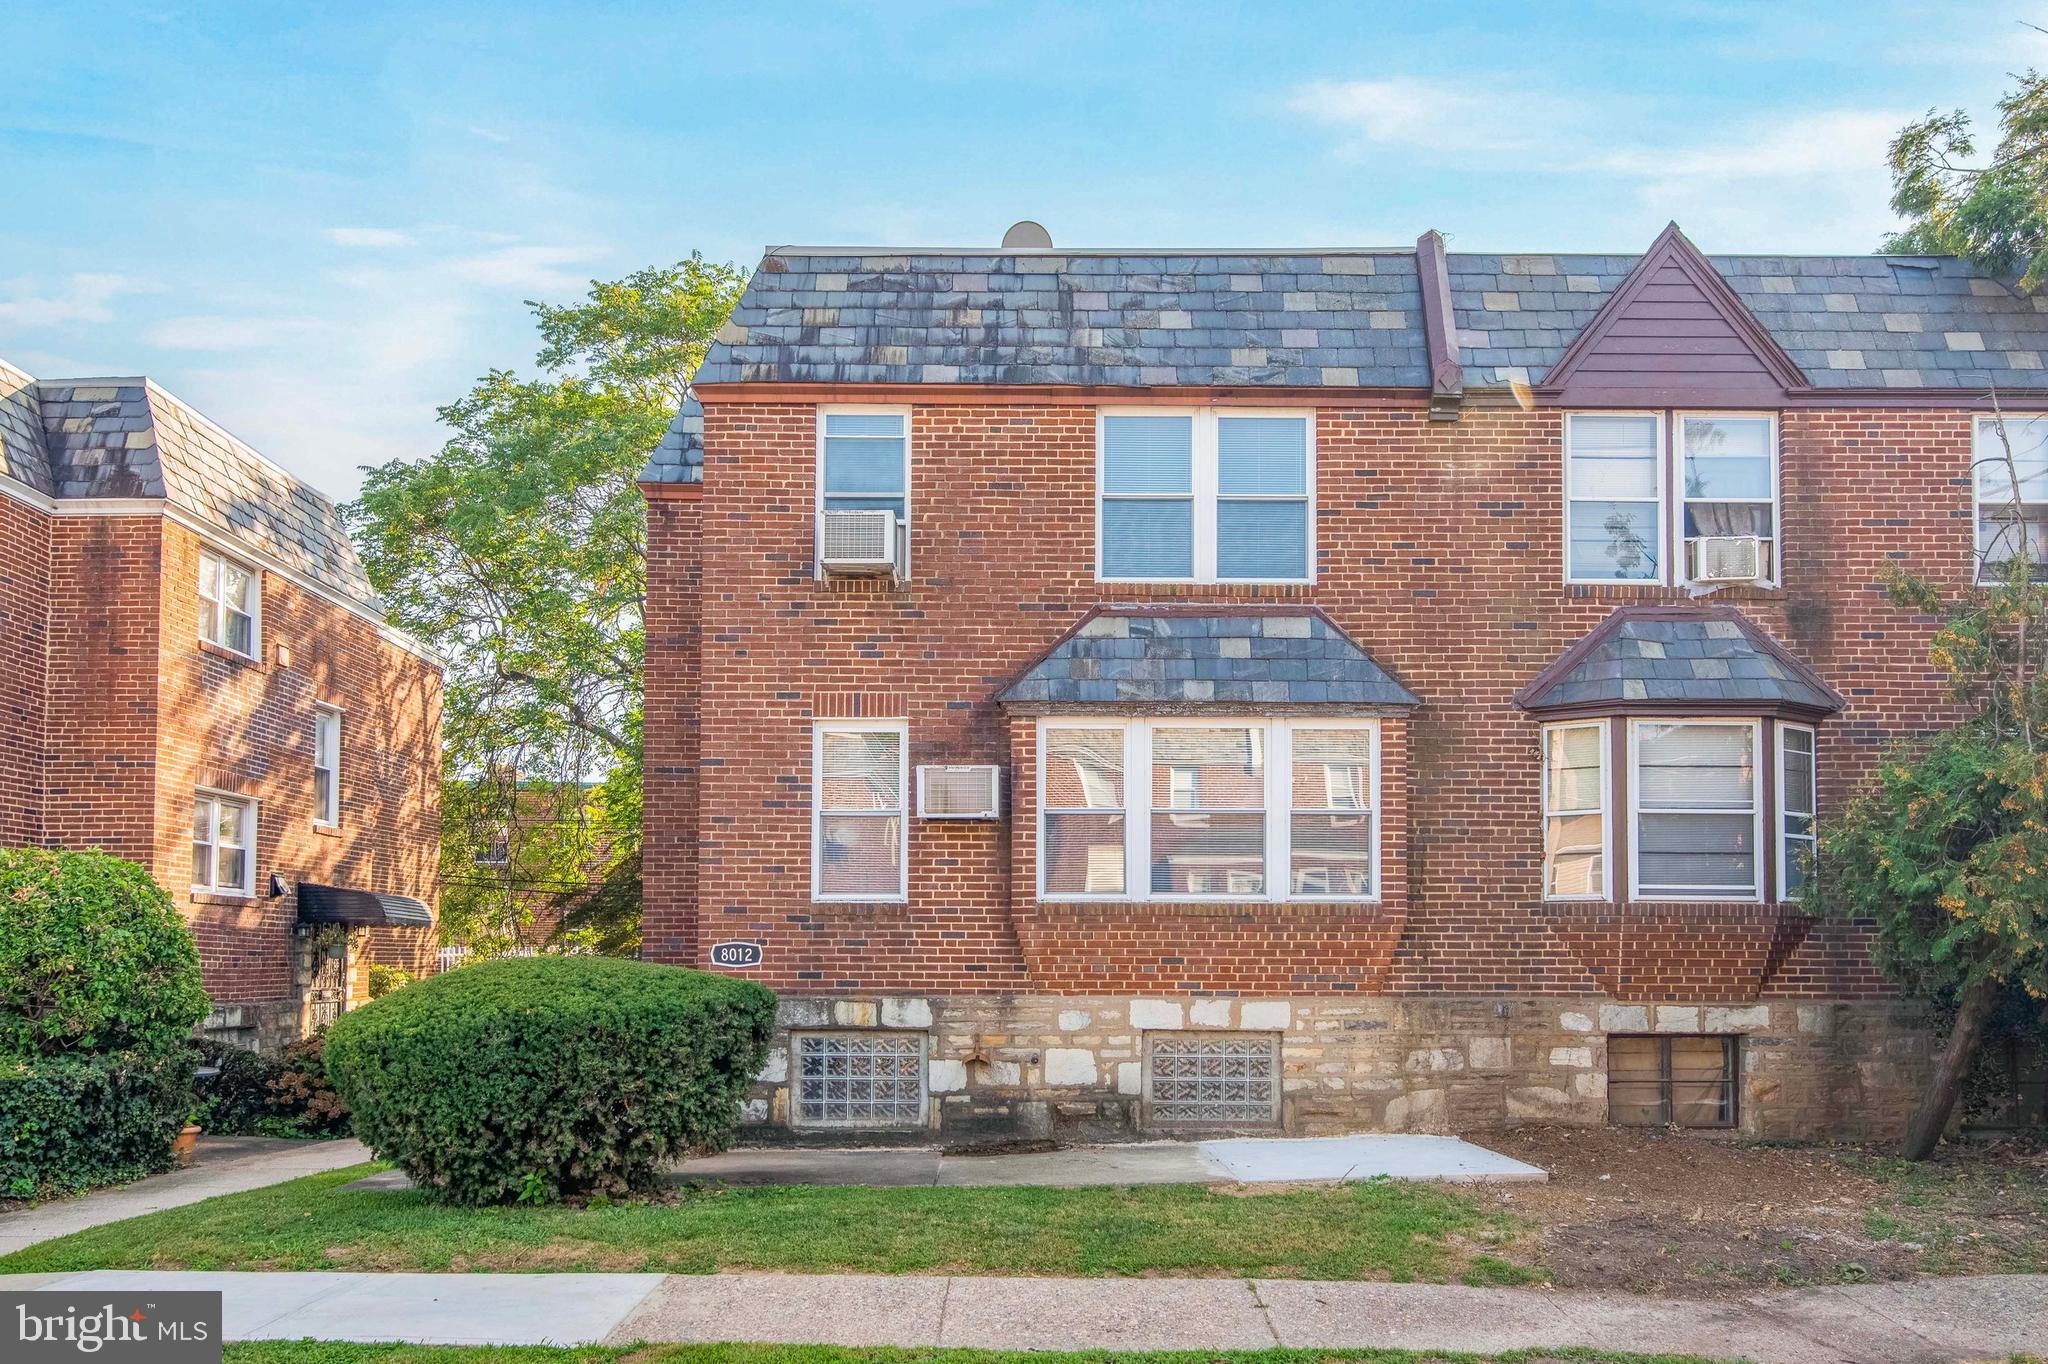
1027, 236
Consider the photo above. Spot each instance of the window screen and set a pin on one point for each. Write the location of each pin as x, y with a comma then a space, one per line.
1613, 489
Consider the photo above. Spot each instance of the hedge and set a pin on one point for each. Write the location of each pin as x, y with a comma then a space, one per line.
533, 1079
72, 1122
93, 958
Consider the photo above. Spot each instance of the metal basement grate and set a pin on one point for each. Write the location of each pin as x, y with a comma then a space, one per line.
860, 1079
1207, 1078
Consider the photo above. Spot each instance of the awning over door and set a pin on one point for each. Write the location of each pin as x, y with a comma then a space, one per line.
320, 904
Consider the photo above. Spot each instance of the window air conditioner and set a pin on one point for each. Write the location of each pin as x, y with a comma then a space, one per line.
860, 543
1727, 559
960, 792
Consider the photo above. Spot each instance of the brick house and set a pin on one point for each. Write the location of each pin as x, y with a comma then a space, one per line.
1409, 677
194, 674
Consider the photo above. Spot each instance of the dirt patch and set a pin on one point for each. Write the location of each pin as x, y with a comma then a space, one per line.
1682, 1213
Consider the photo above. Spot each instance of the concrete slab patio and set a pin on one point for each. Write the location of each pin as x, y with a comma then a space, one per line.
1925, 1321
223, 1165
1253, 1161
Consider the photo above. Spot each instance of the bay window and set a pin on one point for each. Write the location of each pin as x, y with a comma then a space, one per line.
1261, 809
1575, 811
860, 836
1204, 496
1796, 807
1698, 814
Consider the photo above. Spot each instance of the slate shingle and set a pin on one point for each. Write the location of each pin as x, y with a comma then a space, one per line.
1679, 654
1149, 658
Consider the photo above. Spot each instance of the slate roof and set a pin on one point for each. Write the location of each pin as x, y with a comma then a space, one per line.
1678, 654
128, 438
680, 456
1846, 321
23, 454
1154, 658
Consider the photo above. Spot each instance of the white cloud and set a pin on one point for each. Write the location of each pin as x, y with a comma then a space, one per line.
531, 268
82, 298
214, 332
371, 238
1408, 114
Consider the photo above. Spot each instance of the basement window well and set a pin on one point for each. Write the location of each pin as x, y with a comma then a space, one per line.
859, 1079
1211, 1079
1665, 1081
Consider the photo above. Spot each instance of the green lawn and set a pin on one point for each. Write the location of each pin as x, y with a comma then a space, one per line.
1362, 1231
316, 1352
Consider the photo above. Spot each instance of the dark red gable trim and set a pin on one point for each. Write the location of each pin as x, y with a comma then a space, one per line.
1439, 328
1681, 382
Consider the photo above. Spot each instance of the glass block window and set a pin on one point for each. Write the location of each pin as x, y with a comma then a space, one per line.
859, 826
1212, 1078
1661, 1081
1204, 496
859, 1079
1614, 486
1730, 475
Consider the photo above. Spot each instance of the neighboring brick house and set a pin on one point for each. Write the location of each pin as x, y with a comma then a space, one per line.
194, 674
1412, 676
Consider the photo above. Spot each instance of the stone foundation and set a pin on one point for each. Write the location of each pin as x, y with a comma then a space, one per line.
1006, 1067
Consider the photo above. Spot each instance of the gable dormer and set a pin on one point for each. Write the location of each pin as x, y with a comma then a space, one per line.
1674, 333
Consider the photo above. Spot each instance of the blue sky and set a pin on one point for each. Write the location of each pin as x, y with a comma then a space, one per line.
319, 222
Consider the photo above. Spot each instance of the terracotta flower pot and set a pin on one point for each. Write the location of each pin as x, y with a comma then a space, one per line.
187, 1140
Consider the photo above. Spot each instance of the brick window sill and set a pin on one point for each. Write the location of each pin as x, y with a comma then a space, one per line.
326, 830
1654, 594
221, 651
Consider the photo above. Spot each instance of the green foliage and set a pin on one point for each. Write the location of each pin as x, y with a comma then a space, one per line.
72, 1122
302, 1100
385, 978
238, 1094
519, 551
540, 1078
93, 958
1993, 213
605, 917
512, 852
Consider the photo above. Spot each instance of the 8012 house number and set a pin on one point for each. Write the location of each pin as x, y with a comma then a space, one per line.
735, 954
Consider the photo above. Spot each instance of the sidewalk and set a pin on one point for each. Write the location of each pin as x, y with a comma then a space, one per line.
1918, 1322
225, 1165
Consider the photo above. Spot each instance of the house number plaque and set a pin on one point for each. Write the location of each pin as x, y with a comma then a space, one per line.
737, 955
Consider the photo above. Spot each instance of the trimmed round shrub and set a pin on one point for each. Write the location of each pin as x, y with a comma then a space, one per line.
93, 958
237, 1094
530, 1079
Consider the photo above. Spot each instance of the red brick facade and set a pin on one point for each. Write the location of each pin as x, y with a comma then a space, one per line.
1439, 550
115, 713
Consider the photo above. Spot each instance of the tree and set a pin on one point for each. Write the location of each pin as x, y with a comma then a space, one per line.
519, 552
1993, 213
1945, 849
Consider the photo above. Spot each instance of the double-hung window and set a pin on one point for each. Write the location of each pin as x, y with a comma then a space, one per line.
223, 836
1575, 798
860, 838
1253, 809
1614, 491
2007, 524
864, 465
1796, 808
228, 603
1698, 809
1205, 496
1728, 486
326, 766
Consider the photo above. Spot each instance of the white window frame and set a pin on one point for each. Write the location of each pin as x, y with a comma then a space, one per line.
1981, 430
214, 798
901, 729
1605, 809
1204, 495
213, 610
1785, 840
1662, 424
1138, 809
327, 776
1759, 799
818, 475
1681, 566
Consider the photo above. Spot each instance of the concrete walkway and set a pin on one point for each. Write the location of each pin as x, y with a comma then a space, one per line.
223, 1165
1919, 1322
1242, 1161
